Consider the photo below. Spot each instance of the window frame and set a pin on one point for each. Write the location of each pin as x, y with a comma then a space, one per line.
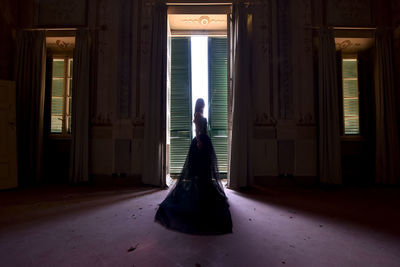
68, 76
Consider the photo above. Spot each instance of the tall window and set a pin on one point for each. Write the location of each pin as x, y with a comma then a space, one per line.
61, 96
351, 116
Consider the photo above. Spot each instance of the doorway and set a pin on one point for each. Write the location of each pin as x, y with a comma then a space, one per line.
197, 68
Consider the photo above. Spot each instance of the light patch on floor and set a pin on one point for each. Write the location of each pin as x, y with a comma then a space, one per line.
276, 227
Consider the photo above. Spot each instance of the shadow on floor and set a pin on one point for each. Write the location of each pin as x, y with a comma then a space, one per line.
376, 208
30, 205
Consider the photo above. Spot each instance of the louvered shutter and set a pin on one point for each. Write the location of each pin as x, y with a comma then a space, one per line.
181, 105
218, 98
57, 96
350, 97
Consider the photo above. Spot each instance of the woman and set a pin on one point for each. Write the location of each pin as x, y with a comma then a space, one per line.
197, 203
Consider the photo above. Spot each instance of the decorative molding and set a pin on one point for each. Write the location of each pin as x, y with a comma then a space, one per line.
353, 45
305, 120
263, 119
203, 20
61, 45
101, 120
346, 44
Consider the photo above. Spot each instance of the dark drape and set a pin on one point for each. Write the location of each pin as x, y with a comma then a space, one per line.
30, 73
155, 116
79, 162
329, 127
240, 172
387, 143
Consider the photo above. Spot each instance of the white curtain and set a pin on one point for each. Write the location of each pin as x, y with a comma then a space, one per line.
329, 130
155, 113
30, 77
387, 142
79, 162
240, 165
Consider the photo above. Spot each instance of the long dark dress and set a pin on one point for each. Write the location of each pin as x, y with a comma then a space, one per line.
197, 203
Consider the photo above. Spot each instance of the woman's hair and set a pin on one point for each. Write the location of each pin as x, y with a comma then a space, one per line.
199, 105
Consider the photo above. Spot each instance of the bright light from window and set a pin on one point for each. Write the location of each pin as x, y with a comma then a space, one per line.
350, 97
199, 47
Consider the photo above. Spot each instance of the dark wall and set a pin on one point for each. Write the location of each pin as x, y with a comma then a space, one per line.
14, 14
8, 24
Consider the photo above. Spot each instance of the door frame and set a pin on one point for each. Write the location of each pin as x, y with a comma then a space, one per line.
188, 7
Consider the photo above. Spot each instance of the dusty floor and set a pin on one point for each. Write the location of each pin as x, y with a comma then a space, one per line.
90, 226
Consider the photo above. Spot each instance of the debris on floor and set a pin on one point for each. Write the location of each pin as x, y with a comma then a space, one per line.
133, 248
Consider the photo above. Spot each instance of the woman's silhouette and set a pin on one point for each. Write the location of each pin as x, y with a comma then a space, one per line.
197, 203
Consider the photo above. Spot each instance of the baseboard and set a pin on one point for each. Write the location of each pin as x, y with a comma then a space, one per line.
285, 180
109, 180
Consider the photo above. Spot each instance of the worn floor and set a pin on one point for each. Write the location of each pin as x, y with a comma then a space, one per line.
92, 226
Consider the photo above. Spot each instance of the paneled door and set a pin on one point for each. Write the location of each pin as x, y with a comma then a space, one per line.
8, 136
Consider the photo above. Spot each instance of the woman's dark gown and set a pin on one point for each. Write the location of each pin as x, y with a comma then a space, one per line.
197, 203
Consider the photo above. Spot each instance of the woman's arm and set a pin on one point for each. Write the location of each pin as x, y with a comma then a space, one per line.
199, 144
197, 124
